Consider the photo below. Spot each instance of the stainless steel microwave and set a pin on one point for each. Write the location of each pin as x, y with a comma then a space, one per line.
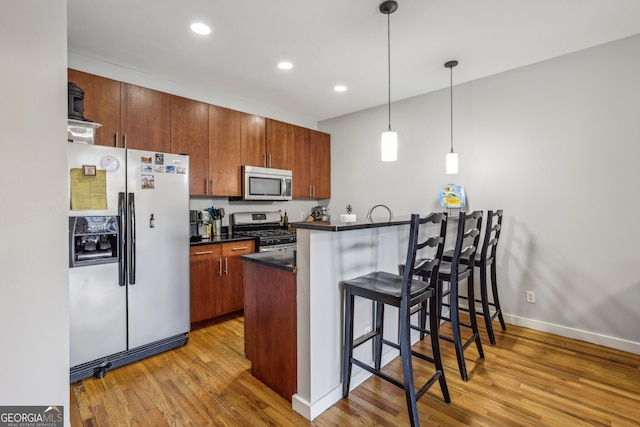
265, 183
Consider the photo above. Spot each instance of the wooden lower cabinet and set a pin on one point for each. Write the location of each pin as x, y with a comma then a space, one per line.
206, 282
233, 275
217, 279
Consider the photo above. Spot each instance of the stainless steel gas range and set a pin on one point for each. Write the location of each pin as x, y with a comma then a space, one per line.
265, 228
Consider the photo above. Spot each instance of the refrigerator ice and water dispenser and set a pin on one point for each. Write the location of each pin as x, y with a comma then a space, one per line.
93, 240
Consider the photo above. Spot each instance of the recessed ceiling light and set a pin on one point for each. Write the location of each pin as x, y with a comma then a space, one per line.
340, 88
200, 28
285, 65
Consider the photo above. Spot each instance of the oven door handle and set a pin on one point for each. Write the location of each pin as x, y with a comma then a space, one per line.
277, 247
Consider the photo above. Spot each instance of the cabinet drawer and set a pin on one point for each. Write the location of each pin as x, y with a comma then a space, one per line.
204, 252
238, 248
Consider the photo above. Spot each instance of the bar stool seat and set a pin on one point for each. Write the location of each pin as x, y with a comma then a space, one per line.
401, 291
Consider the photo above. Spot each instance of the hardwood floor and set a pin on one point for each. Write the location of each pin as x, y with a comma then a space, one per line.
528, 378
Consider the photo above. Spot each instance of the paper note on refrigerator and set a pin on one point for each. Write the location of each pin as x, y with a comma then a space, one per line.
88, 192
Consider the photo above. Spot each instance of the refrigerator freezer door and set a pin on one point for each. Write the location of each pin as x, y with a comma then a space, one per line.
158, 301
103, 161
98, 304
98, 313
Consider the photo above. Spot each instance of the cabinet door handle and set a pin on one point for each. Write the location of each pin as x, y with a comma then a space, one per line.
203, 253
220, 265
269, 160
117, 140
212, 188
226, 266
311, 191
206, 186
241, 248
124, 140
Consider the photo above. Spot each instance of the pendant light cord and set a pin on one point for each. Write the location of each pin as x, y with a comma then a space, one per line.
389, 65
451, 98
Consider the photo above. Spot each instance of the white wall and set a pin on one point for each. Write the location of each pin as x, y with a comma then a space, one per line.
556, 146
34, 297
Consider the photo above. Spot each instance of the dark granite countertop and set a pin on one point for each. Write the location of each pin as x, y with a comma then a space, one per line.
337, 225
283, 259
222, 238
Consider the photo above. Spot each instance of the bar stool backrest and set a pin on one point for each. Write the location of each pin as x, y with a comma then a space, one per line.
467, 239
491, 236
427, 267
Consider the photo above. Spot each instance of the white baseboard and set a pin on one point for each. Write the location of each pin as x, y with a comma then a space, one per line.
311, 410
564, 331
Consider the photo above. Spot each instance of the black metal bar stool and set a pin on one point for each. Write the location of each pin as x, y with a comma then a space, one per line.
402, 291
486, 259
454, 271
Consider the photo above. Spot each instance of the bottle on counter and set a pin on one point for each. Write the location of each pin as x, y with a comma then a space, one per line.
285, 221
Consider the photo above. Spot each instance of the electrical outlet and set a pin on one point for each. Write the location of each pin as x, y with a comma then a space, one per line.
531, 297
303, 216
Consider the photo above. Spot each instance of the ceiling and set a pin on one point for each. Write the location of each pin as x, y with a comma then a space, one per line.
334, 42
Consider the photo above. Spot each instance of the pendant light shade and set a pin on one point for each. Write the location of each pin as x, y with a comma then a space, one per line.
452, 157
452, 163
389, 144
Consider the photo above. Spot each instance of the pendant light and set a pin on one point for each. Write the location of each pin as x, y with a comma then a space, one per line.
452, 157
389, 143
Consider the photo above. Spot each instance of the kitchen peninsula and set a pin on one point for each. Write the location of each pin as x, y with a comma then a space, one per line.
270, 319
327, 253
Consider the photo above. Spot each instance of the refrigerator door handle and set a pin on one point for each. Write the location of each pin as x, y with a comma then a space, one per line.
122, 263
132, 240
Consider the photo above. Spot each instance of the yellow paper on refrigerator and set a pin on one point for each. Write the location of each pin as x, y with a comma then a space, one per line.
88, 192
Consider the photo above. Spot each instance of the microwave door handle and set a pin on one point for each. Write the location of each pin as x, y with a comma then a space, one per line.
284, 187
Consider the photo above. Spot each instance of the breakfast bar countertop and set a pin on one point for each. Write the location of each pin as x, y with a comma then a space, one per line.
284, 259
337, 225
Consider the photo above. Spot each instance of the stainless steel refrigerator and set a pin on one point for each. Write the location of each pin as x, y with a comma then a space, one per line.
128, 256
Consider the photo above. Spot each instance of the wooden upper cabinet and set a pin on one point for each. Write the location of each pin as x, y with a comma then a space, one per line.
253, 140
224, 151
312, 164
266, 142
301, 163
218, 140
190, 135
145, 118
101, 105
320, 145
279, 144
131, 116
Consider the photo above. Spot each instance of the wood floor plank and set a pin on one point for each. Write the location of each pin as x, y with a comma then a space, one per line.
529, 378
